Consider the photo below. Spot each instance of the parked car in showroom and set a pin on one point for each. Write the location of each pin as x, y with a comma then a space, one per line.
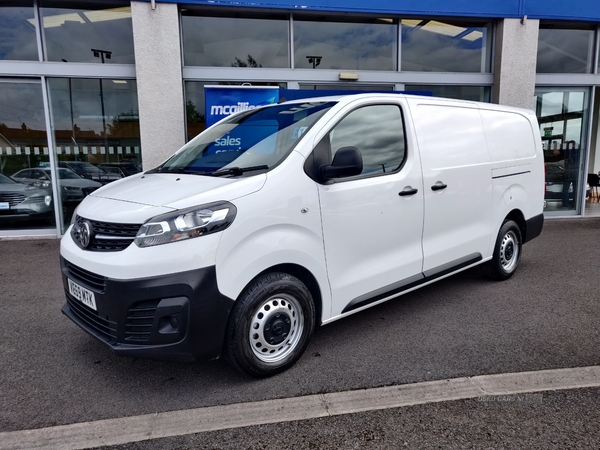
24, 201
91, 172
73, 187
128, 168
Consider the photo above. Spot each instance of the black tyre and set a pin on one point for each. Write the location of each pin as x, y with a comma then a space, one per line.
270, 325
507, 253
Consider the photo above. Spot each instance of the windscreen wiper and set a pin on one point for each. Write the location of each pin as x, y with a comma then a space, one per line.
237, 171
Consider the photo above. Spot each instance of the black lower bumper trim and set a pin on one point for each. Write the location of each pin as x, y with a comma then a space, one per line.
411, 282
533, 227
179, 316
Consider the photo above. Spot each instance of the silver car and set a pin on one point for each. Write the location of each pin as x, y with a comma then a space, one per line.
73, 187
91, 172
24, 201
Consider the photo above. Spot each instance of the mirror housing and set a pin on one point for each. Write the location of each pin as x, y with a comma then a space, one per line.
347, 162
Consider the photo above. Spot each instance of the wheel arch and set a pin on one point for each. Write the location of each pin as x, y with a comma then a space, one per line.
517, 216
303, 275
507, 250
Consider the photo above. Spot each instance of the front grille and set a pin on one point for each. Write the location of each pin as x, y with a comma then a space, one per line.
36, 199
139, 321
12, 199
95, 282
10, 212
101, 325
107, 236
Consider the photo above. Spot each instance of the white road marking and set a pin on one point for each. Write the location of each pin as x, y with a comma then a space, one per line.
177, 423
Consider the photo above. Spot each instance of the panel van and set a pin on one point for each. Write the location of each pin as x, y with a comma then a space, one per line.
285, 217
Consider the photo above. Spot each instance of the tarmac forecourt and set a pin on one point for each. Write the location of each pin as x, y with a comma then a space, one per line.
500, 387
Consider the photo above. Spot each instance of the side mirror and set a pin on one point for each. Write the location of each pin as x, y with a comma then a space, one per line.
347, 162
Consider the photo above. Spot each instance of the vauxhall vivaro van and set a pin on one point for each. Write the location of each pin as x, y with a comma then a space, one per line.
280, 218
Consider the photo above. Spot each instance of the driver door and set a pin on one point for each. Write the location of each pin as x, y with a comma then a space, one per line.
372, 222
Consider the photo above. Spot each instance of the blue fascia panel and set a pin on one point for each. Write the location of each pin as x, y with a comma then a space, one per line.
579, 10
462, 8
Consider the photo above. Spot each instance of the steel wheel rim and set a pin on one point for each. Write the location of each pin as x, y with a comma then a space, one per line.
509, 251
276, 328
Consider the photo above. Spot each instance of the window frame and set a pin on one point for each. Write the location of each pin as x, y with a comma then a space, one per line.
312, 171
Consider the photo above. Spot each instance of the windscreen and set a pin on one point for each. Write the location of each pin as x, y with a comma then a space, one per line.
5, 180
66, 174
254, 140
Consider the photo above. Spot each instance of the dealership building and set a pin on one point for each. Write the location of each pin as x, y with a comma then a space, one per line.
91, 91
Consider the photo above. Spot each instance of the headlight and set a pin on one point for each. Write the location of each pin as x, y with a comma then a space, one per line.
186, 224
74, 216
37, 185
47, 200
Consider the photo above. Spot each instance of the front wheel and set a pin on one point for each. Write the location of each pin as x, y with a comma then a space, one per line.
270, 325
507, 252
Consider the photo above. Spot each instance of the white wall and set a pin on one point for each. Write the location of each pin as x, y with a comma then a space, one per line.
159, 80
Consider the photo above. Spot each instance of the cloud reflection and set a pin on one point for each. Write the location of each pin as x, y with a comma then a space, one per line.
377, 131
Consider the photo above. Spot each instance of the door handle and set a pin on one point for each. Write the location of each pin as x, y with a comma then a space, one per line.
408, 191
438, 186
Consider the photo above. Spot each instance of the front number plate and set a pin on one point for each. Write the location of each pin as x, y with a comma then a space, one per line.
4, 205
82, 294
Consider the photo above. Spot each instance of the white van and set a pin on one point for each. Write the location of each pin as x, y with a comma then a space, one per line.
280, 218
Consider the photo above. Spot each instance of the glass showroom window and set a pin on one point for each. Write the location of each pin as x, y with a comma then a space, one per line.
195, 105
473, 93
17, 31
97, 135
25, 202
235, 41
565, 50
435, 46
346, 87
99, 33
563, 117
362, 44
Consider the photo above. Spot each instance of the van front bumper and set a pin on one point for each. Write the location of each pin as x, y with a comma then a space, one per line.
180, 316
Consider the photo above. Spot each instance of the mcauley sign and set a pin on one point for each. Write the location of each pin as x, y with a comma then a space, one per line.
222, 101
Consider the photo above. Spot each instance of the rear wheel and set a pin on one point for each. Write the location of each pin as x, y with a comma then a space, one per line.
270, 325
507, 252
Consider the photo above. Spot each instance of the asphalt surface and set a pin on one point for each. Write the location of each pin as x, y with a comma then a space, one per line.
545, 317
555, 420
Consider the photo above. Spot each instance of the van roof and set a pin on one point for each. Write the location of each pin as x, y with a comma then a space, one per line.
350, 97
